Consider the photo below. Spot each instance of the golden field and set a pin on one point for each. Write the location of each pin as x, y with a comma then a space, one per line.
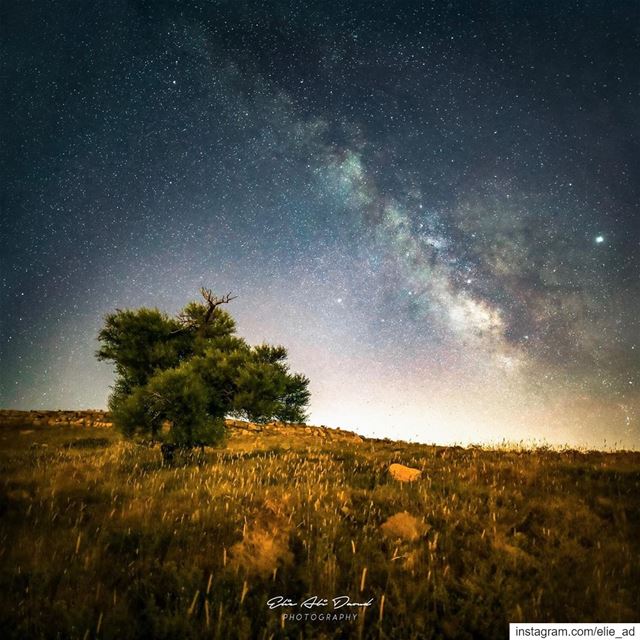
99, 540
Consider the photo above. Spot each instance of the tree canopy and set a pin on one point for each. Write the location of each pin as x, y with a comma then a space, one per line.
177, 378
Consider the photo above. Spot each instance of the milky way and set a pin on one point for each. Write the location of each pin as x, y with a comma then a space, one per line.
434, 208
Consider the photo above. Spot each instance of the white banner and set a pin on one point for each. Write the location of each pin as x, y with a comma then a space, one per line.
605, 630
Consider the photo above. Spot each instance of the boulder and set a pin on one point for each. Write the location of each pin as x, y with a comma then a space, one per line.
404, 474
404, 526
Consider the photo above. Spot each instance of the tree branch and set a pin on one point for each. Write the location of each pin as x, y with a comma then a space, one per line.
214, 301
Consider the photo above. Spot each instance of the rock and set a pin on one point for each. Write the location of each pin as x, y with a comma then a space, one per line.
404, 526
404, 474
261, 552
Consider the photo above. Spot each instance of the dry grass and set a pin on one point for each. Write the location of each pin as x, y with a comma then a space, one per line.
97, 539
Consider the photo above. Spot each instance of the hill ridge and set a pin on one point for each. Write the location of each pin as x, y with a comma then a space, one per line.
238, 429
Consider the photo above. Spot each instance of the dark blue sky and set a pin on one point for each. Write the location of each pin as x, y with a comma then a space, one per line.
435, 207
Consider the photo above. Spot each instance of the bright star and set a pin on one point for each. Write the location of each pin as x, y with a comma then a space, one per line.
599, 239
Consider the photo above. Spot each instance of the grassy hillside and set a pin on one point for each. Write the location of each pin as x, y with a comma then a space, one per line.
98, 539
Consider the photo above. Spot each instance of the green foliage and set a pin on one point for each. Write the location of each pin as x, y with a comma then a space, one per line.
177, 378
140, 342
266, 389
179, 396
130, 413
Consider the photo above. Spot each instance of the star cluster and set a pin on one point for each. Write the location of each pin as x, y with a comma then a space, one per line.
435, 208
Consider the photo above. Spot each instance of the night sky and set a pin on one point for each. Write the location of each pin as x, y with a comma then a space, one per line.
434, 206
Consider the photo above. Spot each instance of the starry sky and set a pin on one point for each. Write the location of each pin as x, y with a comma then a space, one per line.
433, 205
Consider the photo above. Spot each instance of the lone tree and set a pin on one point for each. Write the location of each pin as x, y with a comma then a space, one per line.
178, 377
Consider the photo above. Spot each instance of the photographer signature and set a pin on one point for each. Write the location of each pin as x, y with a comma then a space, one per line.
315, 601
